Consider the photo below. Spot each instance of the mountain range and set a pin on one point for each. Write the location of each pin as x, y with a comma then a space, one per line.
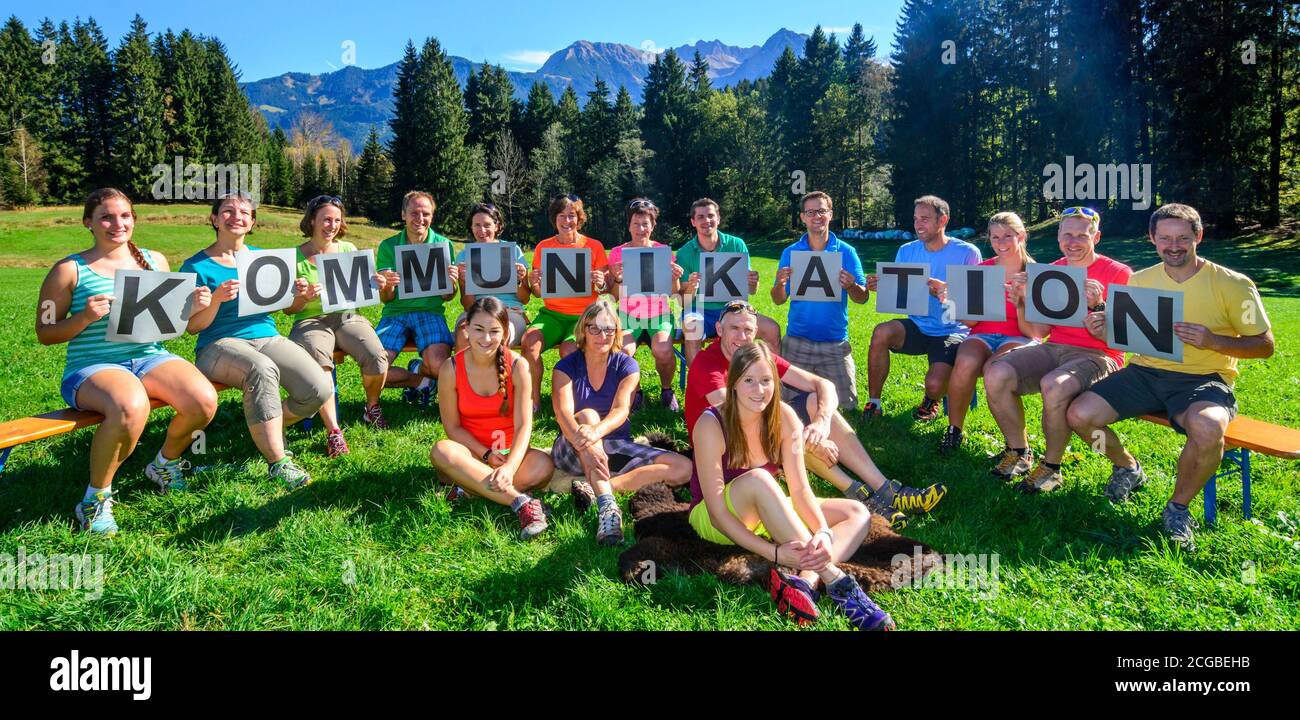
353, 98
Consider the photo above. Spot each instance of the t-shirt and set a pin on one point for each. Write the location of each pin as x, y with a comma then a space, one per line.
822, 321
689, 258
386, 257
707, 373
620, 365
1223, 300
227, 323
572, 306
1010, 326
1105, 271
955, 252
643, 308
508, 299
307, 270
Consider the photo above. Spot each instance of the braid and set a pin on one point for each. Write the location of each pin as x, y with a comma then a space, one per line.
501, 379
139, 256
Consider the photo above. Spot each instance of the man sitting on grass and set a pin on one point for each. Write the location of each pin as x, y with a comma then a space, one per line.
1223, 320
829, 440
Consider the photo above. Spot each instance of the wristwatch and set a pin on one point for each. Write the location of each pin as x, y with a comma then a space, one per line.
486, 453
1098, 307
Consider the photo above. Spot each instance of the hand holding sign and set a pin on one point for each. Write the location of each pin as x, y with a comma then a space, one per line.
202, 298
1056, 294
1129, 327
151, 306
347, 280
811, 276
98, 306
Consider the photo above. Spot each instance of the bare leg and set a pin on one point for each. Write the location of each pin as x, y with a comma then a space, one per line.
1205, 424
1000, 383
531, 348
669, 468
885, 337
181, 385
661, 346
1090, 416
121, 399
1058, 389
971, 357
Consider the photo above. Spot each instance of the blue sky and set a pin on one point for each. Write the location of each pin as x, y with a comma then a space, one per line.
270, 37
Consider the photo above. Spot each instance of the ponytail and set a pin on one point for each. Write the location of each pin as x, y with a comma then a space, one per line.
501, 379
139, 256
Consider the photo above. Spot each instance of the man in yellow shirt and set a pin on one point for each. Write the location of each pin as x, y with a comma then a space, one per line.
1224, 320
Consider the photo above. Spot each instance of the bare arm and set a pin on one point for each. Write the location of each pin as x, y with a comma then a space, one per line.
53, 323
709, 445
450, 411
521, 378
796, 474
828, 399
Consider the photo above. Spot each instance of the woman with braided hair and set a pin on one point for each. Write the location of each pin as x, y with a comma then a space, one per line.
487, 413
73, 308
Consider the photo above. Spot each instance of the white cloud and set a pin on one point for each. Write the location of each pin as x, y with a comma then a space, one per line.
837, 30
528, 57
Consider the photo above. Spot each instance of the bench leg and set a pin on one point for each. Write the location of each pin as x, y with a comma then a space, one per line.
974, 402
1245, 482
1211, 501
4, 458
681, 372
334, 378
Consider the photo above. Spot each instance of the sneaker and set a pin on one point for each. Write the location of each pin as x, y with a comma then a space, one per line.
609, 526
793, 596
1011, 464
428, 395
872, 410
412, 394
374, 417
862, 611
951, 441
638, 399
96, 515
583, 496
668, 399
532, 519
290, 473
877, 505
1042, 479
917, 501
454, 493
927, 410
1178, 525
335, 445
170, 476
1123, 481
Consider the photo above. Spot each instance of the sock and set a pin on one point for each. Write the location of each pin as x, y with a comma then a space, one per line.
161, 460
841, 587
1175, 506
875, 401
1054, 467
1019, 451
424, 383
91, 490
605, 501
519, 502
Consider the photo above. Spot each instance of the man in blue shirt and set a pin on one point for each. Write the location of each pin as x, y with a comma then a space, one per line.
931, 334
817, 333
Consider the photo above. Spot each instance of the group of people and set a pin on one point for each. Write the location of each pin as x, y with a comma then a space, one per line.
486, 373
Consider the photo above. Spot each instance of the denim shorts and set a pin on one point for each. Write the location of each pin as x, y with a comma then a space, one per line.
994, 341
138, 367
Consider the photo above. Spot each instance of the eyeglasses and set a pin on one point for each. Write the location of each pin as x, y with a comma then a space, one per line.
1081, 210
738, 306
594, 329
818, 212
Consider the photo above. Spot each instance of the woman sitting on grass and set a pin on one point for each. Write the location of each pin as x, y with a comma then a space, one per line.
320, 333
741, 447
73, 308
988, 339
488, 417
248, 352
592, 393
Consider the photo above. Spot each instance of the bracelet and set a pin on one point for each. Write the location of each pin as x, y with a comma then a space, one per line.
830, 535
486, 454
776, 554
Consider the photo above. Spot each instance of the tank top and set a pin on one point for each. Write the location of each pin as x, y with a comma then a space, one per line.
89, 347
480, 415
728, 473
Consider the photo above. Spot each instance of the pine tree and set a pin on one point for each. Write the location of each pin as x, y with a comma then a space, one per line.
489, 103
374, 177
137, 112
699, 76
538, 113
184, 82
549, 166
278, 182
405, 146
663, 127
231, 132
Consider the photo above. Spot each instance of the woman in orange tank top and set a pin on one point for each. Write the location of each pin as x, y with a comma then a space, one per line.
488, 423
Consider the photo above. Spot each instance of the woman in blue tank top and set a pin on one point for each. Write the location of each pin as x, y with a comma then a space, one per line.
118, 379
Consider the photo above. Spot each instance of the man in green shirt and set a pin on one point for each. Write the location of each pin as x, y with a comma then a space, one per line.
705, 218
414, 320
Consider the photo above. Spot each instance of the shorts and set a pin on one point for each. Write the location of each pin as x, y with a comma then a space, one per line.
937, 348
647, 328
624, 455
703, 524
514, 333
830, 360
995, 341
555, 327
711, 318
1032, 362
138, 367
425, 328
1138, 390
799, 403
346, 331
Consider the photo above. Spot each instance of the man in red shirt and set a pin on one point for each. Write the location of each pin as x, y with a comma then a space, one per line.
830, 445
1061, 368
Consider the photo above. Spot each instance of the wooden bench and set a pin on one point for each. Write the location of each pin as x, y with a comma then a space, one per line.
1244, 435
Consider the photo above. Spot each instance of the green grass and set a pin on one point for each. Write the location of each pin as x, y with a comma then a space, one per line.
373, 545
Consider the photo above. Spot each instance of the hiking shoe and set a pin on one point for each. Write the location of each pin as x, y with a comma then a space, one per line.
454, 493
170, 476
532, 519
583, 496
951, 441
878, 506
289, 472
95, 515
863, 613
927, 410
917, 501
793, 596
374, 417
1042, 479
1011, 464
668, 399
1124, 481
1178, 525
412, 394
609, 526
872, 410
335, 445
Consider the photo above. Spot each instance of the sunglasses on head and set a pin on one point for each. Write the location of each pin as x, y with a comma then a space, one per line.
1081, 210
570, 197
641, 205
324, 200
739, 306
